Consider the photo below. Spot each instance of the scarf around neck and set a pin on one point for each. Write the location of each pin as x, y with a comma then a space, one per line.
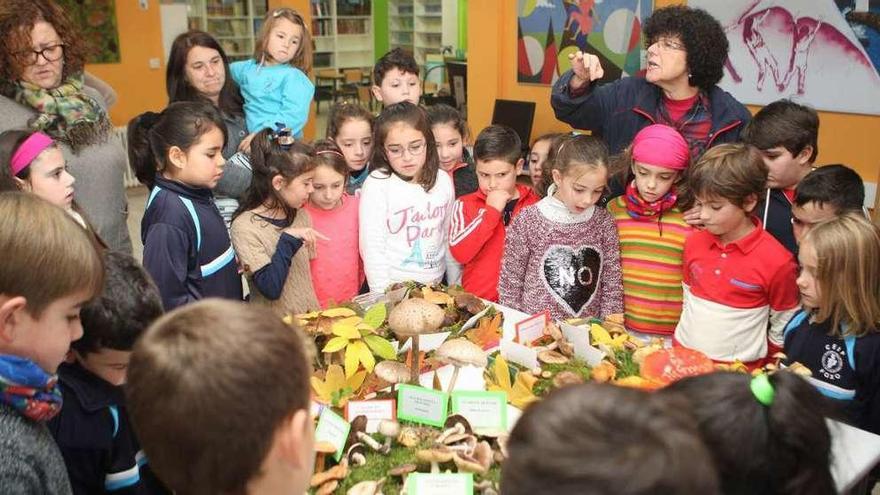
640, 209
65, 113
555, 210
28, 389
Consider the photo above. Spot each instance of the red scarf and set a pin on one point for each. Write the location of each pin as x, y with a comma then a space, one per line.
640, 209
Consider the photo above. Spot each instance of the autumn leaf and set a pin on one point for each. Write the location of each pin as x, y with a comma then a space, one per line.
334, 383
519, 393
600, 336
487, 333
380, 347
346, 329
335, 344
375, 316
338, 312
365, 357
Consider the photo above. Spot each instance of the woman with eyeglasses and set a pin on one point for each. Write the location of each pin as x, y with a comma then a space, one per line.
43, 88
686, 52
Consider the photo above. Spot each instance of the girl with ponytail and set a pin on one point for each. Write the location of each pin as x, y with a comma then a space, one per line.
270, 229
767, 434
177, 154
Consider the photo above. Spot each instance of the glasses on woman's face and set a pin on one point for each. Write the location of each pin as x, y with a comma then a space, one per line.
667, 44
397, 151
51, 53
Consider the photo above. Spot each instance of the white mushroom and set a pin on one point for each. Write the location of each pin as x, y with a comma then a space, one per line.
458, 353
411, 318
393, 372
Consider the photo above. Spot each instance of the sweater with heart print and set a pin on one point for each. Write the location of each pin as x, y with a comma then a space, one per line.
566, 263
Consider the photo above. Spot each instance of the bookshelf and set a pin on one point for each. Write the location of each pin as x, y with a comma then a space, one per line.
343, 33
234, 23
423, 27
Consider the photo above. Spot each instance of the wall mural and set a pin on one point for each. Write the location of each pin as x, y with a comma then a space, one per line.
548, 30
821, 52
96, 21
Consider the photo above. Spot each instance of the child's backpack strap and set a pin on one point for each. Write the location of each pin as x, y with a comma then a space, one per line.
850, 342
794, 322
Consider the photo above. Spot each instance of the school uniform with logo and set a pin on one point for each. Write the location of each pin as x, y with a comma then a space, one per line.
97, 440
846, 369
187, 249
737, 297
566, 263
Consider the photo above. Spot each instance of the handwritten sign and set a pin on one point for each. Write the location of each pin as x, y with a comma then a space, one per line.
374, 410
519, 354
532, 328
580, 340
483, 410
421, 405
332, 428
440, 484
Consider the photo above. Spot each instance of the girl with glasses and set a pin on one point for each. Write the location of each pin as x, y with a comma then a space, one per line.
405, 203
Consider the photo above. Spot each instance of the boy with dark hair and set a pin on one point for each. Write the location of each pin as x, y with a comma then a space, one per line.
93, 432
479, 219
218, 392
563, 445
735, 274
396, 78
825, 193
786, 133
50, 269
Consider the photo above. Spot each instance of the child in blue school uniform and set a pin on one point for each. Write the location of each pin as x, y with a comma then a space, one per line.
837, 334
177, 154
100, 449
275, 83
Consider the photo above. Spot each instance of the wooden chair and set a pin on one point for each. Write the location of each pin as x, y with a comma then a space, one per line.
351, 82
325, 86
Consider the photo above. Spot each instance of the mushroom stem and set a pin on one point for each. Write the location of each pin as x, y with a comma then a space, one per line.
414, 366
319, 462
435, 467
370, 441
454, 378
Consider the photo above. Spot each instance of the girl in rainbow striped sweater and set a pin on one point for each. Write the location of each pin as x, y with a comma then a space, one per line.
652, 231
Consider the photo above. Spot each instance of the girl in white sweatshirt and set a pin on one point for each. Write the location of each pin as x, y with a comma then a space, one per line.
405, 203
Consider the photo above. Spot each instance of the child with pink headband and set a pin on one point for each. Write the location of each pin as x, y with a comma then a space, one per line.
31, 161
652, 230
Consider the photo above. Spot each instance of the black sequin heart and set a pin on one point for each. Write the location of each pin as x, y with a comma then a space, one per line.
572, 274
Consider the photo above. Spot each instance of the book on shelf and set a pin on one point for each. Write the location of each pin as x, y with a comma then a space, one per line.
321, 8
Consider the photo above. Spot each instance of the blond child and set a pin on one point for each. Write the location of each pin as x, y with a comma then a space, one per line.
218, 392
275, 83
50, 270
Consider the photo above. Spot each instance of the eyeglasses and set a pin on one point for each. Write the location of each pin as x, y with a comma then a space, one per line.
415, 149
667, 44
51, 53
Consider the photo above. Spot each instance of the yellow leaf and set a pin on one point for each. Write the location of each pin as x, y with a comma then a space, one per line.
308, 316
346, 330
601, 336
337, 312
502, 372
352, 361
335, 344
355, 381
364, 355
519, 394
334, 380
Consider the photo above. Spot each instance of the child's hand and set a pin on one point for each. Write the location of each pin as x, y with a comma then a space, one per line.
586, 67
498, 199
245, 145
309, 235
692, 217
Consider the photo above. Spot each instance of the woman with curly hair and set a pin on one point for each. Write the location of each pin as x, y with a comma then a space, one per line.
687, 48
43, 88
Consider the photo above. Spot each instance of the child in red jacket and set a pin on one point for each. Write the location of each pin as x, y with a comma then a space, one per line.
479, 219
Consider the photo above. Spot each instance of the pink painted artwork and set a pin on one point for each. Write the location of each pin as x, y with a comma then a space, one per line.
804, 50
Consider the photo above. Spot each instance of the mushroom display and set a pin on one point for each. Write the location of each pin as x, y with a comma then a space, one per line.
366, 488
459, 353
321, 451
403, 471
389, 429
393, 372
357, 454
412, 318
435, 456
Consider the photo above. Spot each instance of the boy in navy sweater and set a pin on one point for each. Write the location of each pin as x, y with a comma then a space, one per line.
786, 134
94, 434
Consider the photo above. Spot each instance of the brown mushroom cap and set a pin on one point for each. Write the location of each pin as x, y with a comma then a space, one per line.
392, 371
552, 357
415, 316
438, 455
337, 472
462, 352
327, 488
402, 470
454, 419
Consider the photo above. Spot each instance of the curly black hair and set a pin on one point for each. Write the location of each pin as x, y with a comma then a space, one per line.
702, 36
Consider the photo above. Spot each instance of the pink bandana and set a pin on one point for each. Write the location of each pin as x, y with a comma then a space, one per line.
661, 146
28, 151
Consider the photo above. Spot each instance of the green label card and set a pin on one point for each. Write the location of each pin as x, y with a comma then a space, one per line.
484, 410
421, 405
332, 428
440, 484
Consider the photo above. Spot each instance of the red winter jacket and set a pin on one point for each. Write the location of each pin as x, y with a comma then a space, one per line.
476, 240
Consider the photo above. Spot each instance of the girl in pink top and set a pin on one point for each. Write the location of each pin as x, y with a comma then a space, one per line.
337, 270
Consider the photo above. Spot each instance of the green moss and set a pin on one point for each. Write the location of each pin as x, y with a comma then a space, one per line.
625, 364
545, 385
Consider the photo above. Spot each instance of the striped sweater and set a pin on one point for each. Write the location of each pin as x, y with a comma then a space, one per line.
651, 260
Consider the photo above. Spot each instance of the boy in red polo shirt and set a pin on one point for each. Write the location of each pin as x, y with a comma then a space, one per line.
739, 281
479, 219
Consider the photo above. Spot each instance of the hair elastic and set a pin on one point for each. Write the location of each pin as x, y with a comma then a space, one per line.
35, 144
762, 389
333, 152
283, 136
